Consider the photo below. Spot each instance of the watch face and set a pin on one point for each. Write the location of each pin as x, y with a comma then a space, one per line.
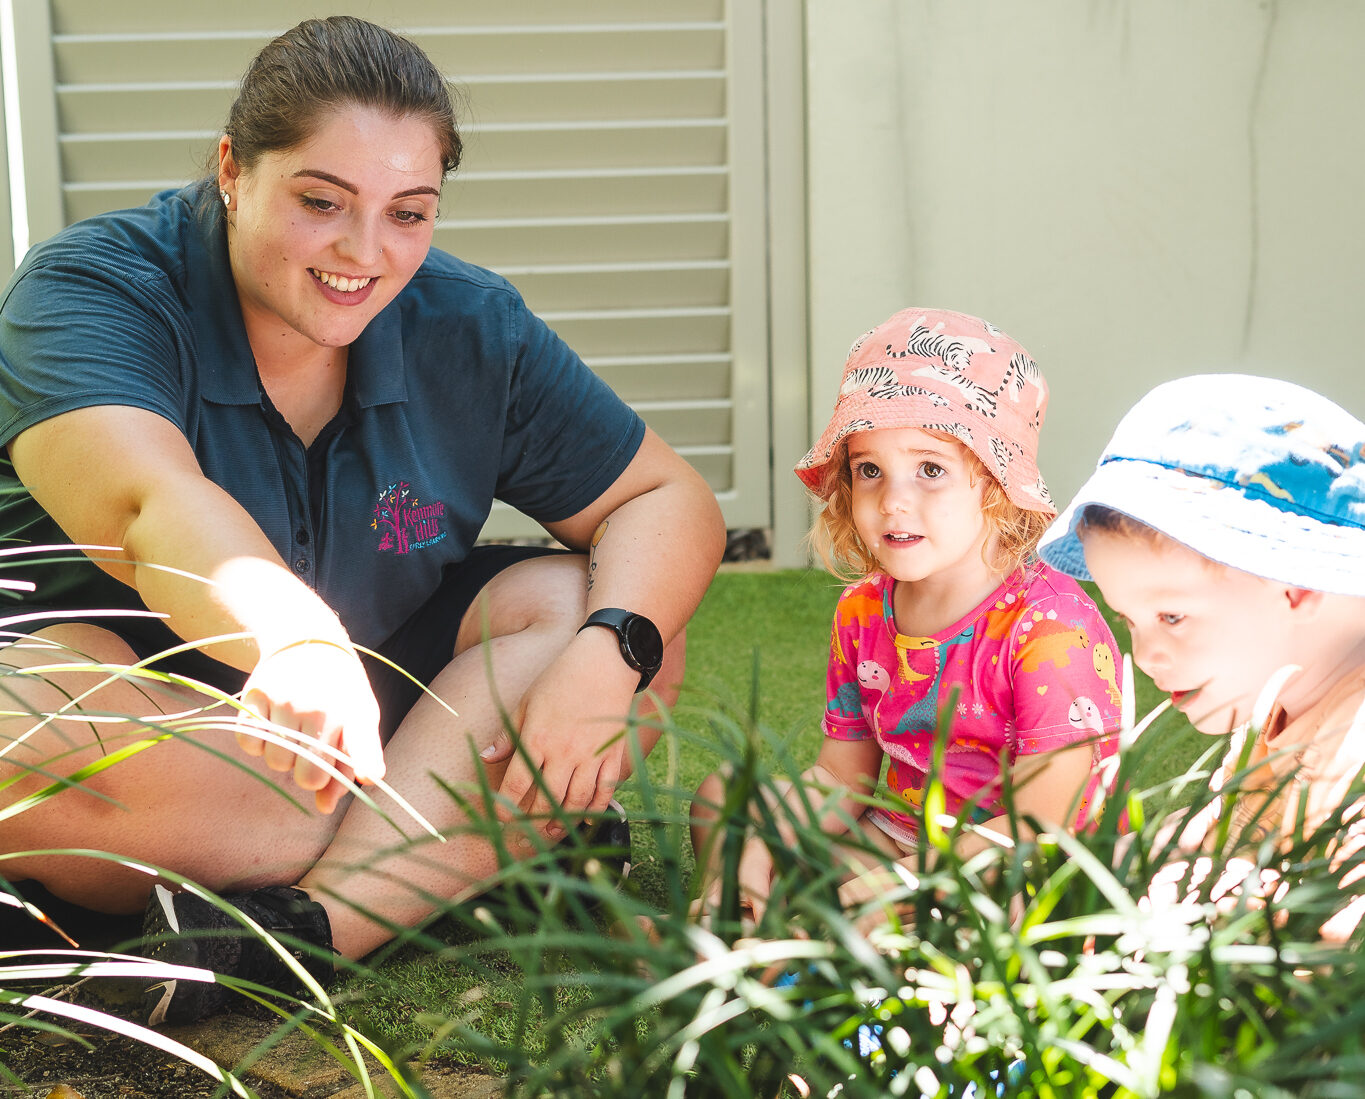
644, 642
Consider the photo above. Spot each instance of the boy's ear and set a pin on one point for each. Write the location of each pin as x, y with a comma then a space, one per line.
1303, 599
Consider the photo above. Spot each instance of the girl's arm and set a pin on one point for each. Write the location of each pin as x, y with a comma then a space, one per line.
126, 478
1047, 786
850, 767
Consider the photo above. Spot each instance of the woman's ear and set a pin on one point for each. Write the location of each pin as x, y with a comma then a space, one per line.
227, 165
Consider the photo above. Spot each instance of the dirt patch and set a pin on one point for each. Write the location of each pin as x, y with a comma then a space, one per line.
105, 1066
91, 1063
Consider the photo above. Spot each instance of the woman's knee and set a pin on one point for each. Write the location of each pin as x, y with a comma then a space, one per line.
548, 594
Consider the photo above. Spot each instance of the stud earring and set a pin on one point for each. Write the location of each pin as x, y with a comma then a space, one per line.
227, 199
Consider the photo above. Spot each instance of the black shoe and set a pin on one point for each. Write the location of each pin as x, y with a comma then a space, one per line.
183, 929
606, 839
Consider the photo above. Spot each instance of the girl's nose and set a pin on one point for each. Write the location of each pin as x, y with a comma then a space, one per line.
895, 495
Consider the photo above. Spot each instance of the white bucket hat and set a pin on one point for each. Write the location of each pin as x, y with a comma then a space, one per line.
1258, 474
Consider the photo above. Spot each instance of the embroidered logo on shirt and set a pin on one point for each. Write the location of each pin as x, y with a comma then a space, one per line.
405, 523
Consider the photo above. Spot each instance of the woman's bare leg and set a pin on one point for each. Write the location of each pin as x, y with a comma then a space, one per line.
179, 804
533, 610
211, 817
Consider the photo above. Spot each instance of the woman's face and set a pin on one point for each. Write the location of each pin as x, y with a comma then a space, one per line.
324, 235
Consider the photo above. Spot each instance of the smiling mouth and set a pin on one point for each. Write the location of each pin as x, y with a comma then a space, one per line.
340, 282
899, 539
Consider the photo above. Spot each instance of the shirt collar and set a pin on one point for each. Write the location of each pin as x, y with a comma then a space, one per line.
227, 366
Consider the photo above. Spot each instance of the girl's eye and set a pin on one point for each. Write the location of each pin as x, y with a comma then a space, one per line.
320, 205
1170, 619
866, 471
932, 470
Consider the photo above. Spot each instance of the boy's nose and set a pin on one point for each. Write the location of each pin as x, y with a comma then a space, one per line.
1148, 655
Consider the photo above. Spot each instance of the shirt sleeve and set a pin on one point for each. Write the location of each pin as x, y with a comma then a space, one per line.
1065, 676
843, 718
568, 436
75, 338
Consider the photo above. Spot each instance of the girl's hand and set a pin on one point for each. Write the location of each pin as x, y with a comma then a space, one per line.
756, 871
318, 691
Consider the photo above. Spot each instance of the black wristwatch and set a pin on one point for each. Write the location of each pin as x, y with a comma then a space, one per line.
641, 646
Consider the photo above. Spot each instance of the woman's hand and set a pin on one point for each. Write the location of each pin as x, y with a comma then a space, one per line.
318, 692
568, 718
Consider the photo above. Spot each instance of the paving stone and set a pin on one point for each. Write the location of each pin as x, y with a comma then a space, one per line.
296, 1065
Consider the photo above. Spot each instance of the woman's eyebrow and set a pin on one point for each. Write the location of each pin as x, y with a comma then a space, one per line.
317, 173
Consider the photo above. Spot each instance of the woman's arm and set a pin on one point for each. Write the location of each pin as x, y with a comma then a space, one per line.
654, 539
123, 477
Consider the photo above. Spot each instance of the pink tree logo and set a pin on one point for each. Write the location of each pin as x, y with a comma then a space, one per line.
388, 517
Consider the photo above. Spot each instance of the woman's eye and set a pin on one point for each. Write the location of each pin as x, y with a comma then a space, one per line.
410, 217
1170, 619
321, 205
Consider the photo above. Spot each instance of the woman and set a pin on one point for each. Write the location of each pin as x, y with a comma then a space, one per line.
270, 382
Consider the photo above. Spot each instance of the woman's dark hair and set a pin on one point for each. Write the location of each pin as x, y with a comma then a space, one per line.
328, 63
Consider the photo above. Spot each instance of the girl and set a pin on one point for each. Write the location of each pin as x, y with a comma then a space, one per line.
931, 502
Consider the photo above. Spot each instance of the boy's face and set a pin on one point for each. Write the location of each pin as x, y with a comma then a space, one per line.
1209, 635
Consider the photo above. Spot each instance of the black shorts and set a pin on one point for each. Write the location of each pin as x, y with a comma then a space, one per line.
422, 645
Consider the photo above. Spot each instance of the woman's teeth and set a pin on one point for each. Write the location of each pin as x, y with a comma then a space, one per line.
347, 286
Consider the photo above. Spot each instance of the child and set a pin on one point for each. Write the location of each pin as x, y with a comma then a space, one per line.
932, 499
1226, 522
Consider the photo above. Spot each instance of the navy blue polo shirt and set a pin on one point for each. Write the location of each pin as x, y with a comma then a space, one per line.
456, 395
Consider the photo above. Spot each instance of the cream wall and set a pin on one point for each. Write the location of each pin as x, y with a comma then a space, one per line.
1134, 189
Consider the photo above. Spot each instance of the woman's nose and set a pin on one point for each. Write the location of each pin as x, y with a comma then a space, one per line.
361, 243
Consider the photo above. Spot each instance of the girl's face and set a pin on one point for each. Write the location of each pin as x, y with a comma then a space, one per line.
917, 505
324, 235
1208, 635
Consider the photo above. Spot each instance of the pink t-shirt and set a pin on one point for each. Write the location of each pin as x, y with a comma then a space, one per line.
1034, 665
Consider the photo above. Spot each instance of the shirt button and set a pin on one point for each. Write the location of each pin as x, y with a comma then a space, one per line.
301, 565
301, 536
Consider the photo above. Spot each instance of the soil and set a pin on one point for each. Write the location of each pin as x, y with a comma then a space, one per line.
110, 1067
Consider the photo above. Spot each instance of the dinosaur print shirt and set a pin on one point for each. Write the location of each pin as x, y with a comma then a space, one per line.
1033, 667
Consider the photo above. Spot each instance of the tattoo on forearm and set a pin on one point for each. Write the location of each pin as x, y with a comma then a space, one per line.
597, 537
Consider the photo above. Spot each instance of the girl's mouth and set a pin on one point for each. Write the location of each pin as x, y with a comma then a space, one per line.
897, 538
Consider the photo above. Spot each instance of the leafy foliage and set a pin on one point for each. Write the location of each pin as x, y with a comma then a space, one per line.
1035, 968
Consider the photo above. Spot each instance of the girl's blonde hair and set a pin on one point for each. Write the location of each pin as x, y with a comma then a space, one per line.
1011, 543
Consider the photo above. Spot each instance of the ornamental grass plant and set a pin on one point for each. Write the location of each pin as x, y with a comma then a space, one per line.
1101, 965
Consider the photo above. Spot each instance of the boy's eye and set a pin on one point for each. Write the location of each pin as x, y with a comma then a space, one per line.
1170, 619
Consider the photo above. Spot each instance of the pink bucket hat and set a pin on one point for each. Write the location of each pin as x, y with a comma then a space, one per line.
950, 373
